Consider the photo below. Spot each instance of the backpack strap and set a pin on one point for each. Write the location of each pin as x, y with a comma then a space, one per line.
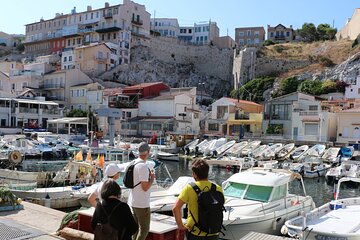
133, 173
197, 191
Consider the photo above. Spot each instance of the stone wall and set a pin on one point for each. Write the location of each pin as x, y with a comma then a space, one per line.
265, 66
206, 59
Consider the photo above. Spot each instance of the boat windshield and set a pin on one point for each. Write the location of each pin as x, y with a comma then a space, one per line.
250, 192
234, 189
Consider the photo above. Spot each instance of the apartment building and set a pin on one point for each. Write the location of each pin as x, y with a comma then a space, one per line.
87, 95
6, 39
205, 33
249, 36
76, 29
280, 33
167, 27
186, 34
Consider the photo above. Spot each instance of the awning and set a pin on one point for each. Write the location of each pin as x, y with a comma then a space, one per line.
35, 102
235, 122
74, 120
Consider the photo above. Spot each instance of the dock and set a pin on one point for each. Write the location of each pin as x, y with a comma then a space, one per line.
32, 222
263, 236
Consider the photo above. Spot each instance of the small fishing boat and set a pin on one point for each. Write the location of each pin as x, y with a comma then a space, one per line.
214, 144
336, 220
346, 169
222, 148
250, 147
298, 152
236, 148
346, 153
285, 151
331, 155
167, 156
310, 167
315, 151
190, 147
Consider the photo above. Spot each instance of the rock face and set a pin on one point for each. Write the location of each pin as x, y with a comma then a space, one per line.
178, 65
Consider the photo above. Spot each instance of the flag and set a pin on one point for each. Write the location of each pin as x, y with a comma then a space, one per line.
101, 161
79, 156
88, 156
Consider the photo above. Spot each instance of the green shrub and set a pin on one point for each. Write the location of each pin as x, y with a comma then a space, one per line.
268, 43
328, 86
325, 61
279, 48
254, 89
274, 129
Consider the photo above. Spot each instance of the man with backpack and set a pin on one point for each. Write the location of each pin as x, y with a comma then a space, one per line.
139, 197
205, 203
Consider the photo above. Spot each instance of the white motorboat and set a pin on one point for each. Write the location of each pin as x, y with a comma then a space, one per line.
346, 169
242, 162
258, 200
315, 151
331, 155
190, 147
310, 167
335, 220
298, 152
168, 156
222, 148
214, 144
270, 153
257, 152
250, 147
8, 176
285, 151
236, 149
199, 148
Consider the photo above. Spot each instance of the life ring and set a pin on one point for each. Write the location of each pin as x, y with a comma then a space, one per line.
15, 157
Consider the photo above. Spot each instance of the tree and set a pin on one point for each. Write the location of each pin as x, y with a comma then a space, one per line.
254, 89
20, 47
89, 114
311, 87
308, 32
328, 86
341, 86
289, 85
325, 32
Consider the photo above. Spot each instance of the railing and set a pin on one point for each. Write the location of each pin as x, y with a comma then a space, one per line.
50, 111
137, 22
242, 117
108, 15
309, 113
28, 110
57, 34
56, 98
48, 86
106, 26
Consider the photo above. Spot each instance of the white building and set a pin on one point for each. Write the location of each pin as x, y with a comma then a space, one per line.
167, 27
353, 90
206, 32
186, 34
68, 59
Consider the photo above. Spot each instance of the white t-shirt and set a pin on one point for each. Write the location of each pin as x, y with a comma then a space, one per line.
98, 191
138, 197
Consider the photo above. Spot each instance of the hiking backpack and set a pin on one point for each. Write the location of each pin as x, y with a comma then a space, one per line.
129, 176
104, 231
210, 209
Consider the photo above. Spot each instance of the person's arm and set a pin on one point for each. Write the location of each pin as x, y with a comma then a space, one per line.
147, 185
177, 214
92, 198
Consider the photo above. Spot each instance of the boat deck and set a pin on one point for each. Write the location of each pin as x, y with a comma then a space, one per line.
341, 221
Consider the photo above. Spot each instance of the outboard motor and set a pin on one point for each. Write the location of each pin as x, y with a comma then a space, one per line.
187, 151
214, 153
196, 151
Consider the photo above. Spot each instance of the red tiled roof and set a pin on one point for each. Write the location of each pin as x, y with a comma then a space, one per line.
351, 110
242, 101
112, 91
141, 85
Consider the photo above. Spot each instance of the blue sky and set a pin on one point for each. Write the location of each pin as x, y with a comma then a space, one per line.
228, 14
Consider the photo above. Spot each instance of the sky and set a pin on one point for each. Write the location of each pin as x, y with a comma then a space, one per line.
228, 14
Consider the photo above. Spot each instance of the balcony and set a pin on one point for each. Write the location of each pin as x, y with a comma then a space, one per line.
242, 116
122, 104
50, 111
309, 113
279, 38
52, 86
108, 15
57, 34
55, 98
28, 110
137, 22
105, 28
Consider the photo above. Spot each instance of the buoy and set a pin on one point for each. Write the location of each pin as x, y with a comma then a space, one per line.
15, 157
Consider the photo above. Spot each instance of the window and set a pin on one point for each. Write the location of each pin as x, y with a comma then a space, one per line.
345, 133
92, 16
288, 34
213, 127
74, 41
313, 108
256, 33
114, 36
205, 38
279, 192
234, 189
271, 34
248, 41
13, 86
68, 42
248, 33
241, 34
358, 90
258, 193
65, 59
256, 41
311, 129
97, 14
70, 58
190, 30
241, 42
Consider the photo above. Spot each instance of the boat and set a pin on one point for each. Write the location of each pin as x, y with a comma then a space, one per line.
346, 169
257, 152
285, 151
258, 200
298, 152
213, 145
331, 155
242, 162
310, 167
167, 156
270, 152
250, 147
346, 153
315, 151
14, 176
199, 148
222, 148
236, 149
338, 219
190, 147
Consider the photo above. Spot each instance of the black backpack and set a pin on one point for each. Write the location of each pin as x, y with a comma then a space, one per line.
210, 209
129, 176
104, 231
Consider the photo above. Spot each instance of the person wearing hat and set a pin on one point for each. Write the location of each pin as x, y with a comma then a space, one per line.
111, 171
139, 197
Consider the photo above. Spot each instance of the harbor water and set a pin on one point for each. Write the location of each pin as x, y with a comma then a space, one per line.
316, 187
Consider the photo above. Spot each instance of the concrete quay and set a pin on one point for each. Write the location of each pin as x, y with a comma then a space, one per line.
32, 222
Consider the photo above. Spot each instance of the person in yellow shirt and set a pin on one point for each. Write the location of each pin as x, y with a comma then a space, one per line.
188, 195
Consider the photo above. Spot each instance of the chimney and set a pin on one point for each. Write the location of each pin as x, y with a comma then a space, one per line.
89, 8
107, 4
290, 26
